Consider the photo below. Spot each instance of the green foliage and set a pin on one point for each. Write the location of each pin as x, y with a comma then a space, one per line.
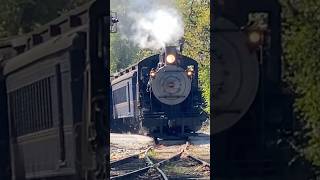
23, 16
144, 53
122, 53
302, 64
196, 15
152, 153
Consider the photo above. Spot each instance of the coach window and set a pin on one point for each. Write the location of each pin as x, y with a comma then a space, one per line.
120, 95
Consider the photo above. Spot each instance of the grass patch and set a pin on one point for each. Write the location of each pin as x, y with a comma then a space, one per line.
174, 169
152, 153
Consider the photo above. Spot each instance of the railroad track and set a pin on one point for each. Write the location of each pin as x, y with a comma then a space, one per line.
161, 162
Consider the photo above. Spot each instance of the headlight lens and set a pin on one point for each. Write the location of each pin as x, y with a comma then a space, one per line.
189, 72
254, 37
171, 59
152, 73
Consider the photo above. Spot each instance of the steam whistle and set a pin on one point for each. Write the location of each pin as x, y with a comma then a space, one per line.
113, 22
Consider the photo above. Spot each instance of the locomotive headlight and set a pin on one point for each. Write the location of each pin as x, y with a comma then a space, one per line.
255, 37
152, 73
189, 72
170, 59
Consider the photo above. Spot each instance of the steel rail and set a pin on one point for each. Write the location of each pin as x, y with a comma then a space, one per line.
204, 163
153, 165
132, 173
150, 164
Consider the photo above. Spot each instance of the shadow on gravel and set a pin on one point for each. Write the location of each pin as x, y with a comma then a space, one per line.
200, 139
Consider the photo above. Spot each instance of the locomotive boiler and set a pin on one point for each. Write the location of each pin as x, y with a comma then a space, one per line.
159, 95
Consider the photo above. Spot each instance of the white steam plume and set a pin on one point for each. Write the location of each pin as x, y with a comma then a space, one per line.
156, 28
151, 24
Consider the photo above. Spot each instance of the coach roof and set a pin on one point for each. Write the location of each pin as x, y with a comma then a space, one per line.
54, 45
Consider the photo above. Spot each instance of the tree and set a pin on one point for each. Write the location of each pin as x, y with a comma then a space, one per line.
302, 63
122, 53
196, 15
23, 16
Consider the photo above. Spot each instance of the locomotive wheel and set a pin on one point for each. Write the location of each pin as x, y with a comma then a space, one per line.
236, 75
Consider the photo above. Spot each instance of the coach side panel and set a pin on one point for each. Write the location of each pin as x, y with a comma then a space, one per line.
124, 98
4, 131
35, 95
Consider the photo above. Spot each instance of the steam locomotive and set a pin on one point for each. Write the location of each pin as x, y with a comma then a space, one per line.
158, 95
53, 98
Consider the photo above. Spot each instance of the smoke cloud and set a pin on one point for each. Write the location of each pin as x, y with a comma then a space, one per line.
149, 24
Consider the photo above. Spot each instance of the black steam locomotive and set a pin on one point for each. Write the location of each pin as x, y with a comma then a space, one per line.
53, 98
159, 95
